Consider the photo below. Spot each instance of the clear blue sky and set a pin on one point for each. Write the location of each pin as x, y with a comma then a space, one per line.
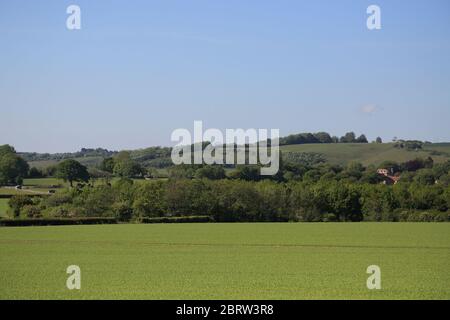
137, 70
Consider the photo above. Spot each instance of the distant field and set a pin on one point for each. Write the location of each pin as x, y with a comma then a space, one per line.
43, 185
370, 153
87, 161
45, 182
34, 186
227, 261
3, 208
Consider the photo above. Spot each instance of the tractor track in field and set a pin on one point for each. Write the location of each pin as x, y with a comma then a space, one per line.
192, 244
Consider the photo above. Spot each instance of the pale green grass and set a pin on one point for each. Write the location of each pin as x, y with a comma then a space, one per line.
4, 208
227, 261
368, 153
43, 182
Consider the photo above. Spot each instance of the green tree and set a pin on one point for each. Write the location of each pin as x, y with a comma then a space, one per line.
71, 170
126, 167
107, 165
425, 177
246, 172
349, 137
323, 137
151, 199
362, 139
12, 167
212, 172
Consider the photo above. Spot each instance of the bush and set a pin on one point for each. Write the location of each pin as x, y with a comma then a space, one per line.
55, 221
57, 199
31, 211
123, 211
16, 203
150, 199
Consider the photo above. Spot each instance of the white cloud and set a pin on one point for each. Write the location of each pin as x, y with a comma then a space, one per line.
369, 109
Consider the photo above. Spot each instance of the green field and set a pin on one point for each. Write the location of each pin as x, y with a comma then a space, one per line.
371, 153
227, 261
43, 182
34, 186
3, 208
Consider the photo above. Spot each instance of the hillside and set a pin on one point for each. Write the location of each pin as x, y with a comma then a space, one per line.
370, 153
335, 153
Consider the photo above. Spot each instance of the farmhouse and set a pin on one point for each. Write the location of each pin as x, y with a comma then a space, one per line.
389, 179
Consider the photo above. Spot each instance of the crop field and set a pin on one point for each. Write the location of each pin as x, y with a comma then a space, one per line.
227, 261
370, 153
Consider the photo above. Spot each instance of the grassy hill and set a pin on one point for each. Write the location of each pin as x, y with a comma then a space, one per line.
89, 161
370, 153
336, 153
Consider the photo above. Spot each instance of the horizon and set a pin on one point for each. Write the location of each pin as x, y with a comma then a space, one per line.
168, 146
137, 71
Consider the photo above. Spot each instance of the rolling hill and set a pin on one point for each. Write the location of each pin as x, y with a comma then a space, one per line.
370, 153
335, 153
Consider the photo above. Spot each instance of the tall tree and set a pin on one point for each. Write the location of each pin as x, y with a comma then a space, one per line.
348, 137
12, 167
71, 170
362, 139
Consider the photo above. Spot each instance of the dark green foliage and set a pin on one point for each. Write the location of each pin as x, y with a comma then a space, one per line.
409, 144
122, 211
107, 165
35, 173
305, 158
349, 137
31, 211
55, 221
125, 167
319, 137
150, 199
183, 171
248, 173
212, 172
308, 190
12, 167
228, 200
16, 203
362, 139
71, 170
425, 177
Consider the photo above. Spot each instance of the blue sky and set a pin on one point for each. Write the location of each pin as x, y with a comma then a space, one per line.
137, 70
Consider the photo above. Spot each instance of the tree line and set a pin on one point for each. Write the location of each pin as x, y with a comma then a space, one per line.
298, 193
309, 191
324, 137
230, 200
